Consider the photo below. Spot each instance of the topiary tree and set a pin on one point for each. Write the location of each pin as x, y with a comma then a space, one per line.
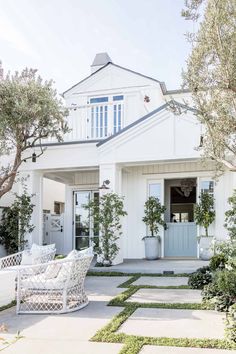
107, 214
204, 213
15, 223
153, 218
29, 112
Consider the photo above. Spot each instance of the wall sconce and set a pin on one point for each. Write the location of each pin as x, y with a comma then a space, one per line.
201, 141
34, 157
105, 184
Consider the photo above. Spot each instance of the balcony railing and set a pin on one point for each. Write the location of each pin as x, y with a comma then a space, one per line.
93, 122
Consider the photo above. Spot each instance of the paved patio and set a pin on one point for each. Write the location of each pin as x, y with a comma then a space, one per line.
70, 333
177, 266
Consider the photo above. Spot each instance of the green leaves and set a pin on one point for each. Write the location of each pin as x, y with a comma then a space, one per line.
107, 213
211, 77
153, 211
29, 112
204, 213
15, 223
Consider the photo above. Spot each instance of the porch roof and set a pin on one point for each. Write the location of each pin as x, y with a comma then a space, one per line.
144, 118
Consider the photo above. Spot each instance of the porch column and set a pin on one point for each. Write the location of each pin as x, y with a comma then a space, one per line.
113, 173
34, 185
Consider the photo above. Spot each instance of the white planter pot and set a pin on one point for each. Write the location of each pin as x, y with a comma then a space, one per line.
206, 248
152, 248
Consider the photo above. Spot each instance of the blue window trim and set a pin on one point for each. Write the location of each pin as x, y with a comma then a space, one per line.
118, 98
98, 99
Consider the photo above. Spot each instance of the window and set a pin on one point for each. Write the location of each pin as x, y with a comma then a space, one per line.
106, 115
117, 118
98, 99
155, 190
59, 207
99, 121
207, 187
118, 98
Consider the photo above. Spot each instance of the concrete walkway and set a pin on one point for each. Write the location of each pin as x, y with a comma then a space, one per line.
70, 333
177, 266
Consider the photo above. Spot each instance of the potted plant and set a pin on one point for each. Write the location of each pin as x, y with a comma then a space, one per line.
107, 214
204, 215
153, 218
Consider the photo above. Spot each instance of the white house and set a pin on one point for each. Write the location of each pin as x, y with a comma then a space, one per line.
123, 131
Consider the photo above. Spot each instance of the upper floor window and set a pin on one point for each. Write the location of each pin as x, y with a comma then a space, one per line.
106, 115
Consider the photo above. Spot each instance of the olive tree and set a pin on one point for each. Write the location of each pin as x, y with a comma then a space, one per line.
29, 112
211, 76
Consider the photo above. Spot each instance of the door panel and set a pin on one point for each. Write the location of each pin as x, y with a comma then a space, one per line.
181, 240
85, 231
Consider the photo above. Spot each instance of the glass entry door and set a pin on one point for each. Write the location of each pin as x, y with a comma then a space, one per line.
85, 231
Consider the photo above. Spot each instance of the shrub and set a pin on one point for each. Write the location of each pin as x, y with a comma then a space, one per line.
222, 290
15, 223
107, 214
230, 330
200, 278
218, 261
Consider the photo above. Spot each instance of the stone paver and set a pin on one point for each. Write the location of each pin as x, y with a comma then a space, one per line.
175, 323
67, 333
161, 281
167, 296
61, 346
152, 349
103, 288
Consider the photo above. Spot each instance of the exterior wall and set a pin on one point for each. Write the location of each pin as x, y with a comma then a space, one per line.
135, 190
52, 191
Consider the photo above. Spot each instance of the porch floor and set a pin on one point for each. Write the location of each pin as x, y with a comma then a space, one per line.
177, 266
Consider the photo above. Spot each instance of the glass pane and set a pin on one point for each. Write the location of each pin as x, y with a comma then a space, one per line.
114, 119
81, 214
155, 190
97, 122
101, 121
207, 186
118, 98
105, 121
92, 122
98, 99
81, 243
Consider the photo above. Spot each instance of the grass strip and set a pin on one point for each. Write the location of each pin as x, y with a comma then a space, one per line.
8, 306
99, 273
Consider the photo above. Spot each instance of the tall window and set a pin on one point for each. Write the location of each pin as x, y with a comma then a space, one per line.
155, 190
106, 115
207, 186
98, 117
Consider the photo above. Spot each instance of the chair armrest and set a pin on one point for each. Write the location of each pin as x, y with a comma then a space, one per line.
11, 260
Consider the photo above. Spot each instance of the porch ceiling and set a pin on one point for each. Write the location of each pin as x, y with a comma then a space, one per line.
74, 177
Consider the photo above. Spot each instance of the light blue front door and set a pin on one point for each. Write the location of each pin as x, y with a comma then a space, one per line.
180, 240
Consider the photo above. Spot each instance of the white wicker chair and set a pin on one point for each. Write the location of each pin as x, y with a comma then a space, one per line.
14, 260
58, 288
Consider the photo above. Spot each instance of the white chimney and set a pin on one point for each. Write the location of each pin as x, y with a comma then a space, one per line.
100, 60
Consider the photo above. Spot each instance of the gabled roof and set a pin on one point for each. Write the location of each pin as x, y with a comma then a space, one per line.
118, 66
144, 118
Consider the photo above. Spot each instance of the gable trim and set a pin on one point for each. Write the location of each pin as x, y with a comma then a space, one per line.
118, 66
144, 118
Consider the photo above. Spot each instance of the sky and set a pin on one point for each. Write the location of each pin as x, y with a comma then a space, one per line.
60, 38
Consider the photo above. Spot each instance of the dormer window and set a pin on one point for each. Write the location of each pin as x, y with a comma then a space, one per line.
106, 115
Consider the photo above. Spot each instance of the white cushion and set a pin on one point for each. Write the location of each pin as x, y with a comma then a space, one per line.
52, 270
42, 249
27, 258
40, 282
74, 254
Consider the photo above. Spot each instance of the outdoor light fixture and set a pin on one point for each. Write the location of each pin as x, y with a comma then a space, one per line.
201, 141
105, 184
34, 157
